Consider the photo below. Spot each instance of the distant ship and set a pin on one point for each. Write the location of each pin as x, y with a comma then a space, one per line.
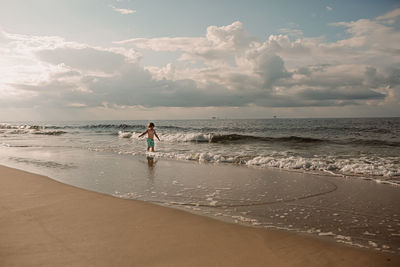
214, 118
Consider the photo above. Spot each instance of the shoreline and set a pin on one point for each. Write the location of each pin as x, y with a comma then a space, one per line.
316, 205
328, 207
46, 223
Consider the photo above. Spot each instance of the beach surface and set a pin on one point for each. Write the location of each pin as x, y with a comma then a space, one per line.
46, 223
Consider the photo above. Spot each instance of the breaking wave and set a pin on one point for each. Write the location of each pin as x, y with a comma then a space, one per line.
27, 129
240, 138
121, 127
379, 170
231, 138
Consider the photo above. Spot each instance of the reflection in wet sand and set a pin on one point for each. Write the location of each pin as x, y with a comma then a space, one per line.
151, 164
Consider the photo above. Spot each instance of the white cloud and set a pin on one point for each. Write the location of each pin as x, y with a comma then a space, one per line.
234, 69
123, 11
375, 40
164, 43
394, 14
329, 8
291, 32
219, 45
274, 64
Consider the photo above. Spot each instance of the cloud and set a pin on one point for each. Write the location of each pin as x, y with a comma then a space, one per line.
374, 39
82, 58
269, 66
329, 8
343, 93
231, 69
291, 32
219, 44
394, 14
163, 43
123, 11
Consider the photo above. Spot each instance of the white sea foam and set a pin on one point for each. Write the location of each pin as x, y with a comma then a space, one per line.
172, 138
386, 170
243, 219
353, 166
372, 244
337, 166
187, 137
6, 128
125, 134
342, 237
200, 157
23, 126
326, 234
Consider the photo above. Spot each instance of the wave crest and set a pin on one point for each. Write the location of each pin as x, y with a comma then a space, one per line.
229, 138
27, 129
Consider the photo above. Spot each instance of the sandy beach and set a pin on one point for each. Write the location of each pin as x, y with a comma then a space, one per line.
47, 223
199, 133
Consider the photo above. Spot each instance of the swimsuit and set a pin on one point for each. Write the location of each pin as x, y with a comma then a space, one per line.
150, 142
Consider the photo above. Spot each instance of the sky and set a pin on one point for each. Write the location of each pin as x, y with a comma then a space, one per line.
187, 59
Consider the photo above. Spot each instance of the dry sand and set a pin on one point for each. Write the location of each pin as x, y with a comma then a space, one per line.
47, 223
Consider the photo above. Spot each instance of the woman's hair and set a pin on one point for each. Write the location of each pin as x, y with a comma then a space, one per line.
151, 124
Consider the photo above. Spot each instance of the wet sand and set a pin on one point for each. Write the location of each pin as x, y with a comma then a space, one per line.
47, 223
348, 210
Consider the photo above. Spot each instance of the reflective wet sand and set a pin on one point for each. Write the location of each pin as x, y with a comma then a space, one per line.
352, 211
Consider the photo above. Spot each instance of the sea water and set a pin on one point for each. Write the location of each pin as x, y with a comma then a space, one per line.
368, 148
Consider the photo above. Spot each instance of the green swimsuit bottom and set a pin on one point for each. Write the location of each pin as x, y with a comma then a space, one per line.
150, 142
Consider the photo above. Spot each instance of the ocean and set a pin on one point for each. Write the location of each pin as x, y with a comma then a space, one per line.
368, 148
336, 178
